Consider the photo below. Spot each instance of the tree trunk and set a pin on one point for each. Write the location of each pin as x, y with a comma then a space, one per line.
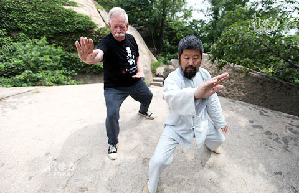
161, 31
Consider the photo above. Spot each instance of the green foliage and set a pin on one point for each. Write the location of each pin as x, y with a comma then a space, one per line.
42, 18
37, 42
258, 47
67, 41
48, 19
162, 60
223, 14
155, 65
35, 63
159, 21
254, 35
176, 30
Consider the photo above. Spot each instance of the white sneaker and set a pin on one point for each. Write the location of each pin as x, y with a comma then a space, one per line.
112, 152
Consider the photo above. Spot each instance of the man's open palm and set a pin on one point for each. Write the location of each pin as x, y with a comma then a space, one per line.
209, 87
85, 50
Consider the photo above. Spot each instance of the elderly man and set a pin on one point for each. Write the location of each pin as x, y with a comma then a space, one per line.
190, 94
123, 72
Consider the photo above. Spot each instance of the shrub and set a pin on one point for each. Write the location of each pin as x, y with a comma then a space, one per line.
48, 19
42, 18
37, 42
266, 51
35, 63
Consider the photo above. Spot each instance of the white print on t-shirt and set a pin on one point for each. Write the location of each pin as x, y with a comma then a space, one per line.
130, 57
129, 52
131, 61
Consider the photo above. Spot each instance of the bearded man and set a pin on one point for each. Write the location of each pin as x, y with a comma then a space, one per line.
190, 93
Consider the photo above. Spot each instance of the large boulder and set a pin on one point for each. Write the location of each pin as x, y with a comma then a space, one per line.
172, 66
88, 7
146, 56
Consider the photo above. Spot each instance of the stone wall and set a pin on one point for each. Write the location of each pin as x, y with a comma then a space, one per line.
257, 88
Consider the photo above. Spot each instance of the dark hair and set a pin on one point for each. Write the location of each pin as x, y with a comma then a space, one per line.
190, 42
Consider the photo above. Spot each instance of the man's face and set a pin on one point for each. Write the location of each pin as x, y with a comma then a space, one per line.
190, 62
118, 27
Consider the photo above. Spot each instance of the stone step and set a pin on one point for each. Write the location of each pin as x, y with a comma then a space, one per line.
158, 79
157, 84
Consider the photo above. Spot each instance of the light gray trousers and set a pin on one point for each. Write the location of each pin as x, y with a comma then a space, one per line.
163, 155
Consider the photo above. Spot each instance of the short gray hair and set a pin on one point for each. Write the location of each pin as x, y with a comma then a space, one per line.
190, 42
117, 11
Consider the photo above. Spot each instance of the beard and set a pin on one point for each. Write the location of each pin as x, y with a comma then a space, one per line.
190, 72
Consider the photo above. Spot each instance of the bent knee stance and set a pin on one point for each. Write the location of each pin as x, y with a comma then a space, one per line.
145, 98
150, 95
215, 140
221, 138
157, 161
111, 115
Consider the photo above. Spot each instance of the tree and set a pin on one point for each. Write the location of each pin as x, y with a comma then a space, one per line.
262, 43
153, 18
223, 14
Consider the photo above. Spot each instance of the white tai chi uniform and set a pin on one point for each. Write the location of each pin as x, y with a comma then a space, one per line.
187, 118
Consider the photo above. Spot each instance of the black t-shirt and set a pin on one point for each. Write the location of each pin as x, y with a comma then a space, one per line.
119, 61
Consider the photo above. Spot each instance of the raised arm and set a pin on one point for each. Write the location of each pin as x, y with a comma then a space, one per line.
211, 86
214, 109
86, 52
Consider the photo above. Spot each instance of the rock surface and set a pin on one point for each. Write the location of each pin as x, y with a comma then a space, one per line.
53, 139
88, 7
255, 88
146, 57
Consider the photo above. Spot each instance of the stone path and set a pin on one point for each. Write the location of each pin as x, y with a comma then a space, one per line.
53, 139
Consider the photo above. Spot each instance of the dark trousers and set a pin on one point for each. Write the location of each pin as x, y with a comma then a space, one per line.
114, 97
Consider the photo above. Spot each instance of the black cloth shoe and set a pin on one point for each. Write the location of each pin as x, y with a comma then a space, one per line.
148, 115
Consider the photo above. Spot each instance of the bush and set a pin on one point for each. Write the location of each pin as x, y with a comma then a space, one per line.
37, 43
35, 63
155, 65
267, 51
42, 18
67, 42
48, 19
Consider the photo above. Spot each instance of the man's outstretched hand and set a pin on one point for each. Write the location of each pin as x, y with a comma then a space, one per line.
211, 86
138, 75
86, 52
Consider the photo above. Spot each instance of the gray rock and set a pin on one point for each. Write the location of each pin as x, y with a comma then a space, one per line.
174, 63
158, 79
53, 139
168, 70
160, 71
